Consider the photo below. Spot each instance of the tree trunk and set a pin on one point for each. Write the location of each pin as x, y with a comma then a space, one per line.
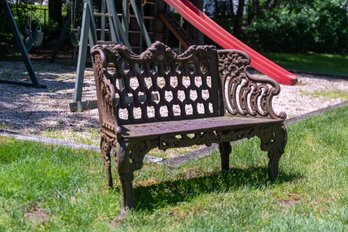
232, 16
270, 4
232, 7
237, 30
254, 10
55, 12
216, 15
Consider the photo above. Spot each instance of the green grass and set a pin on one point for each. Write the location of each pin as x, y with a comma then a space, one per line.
67, 186
329, 94
330, 64
89, 136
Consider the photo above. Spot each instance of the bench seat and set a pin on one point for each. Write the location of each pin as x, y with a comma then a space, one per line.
155, 129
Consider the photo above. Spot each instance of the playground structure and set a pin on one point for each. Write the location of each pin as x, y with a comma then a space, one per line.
118, 34
120, 19
22, 48
121, 33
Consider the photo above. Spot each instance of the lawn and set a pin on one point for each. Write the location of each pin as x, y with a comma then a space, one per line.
331, 64
58, 189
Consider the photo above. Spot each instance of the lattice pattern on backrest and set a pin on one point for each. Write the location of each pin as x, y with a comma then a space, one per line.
159, 85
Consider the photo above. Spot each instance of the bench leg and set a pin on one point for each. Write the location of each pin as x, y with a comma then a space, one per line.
126, 178
225, 150
105, 148
274, 141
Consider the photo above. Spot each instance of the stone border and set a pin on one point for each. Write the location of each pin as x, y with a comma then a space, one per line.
172, 162
48, 141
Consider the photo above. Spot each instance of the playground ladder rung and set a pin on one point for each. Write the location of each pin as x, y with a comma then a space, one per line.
105, 42
138, 32
144, 16
103, 14
106, 30
98, 29
131, 15
148, 2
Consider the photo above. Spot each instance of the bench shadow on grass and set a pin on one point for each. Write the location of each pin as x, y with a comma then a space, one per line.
172, 192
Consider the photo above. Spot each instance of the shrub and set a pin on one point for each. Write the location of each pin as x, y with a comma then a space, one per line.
298, 26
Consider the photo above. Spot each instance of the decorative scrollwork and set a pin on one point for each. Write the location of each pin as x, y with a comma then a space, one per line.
109, 52
158, 51
138, 149
245, 94
236, 134
105, 93
184, 140
108, 91
273, 138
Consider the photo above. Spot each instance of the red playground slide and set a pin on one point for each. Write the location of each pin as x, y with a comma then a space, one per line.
215, 32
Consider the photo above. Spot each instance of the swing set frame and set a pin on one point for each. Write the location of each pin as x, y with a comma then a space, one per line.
20, 45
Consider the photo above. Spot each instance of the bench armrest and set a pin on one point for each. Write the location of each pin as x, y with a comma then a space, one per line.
245, 94
105, 92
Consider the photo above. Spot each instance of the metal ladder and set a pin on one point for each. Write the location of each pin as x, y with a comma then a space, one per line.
119, 34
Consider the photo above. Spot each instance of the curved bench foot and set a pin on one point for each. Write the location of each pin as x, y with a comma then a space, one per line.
273, 140
126, 177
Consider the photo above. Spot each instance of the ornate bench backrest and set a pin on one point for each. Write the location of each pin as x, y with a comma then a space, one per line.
158, 84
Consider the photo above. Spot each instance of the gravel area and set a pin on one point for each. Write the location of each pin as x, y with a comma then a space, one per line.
32, 110
311, 93
39, 111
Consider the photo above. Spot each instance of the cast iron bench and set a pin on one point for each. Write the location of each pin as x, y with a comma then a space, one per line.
159, 99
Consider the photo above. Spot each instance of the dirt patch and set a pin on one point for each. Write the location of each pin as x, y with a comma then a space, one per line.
37, 216
291, 200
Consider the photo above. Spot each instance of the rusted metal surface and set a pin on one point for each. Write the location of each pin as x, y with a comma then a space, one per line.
159, 99
190, 126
